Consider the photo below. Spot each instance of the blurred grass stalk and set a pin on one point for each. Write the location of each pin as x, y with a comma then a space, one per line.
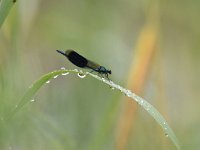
141, 65
5, 7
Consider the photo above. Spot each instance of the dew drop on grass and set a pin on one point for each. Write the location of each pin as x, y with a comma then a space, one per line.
148, 108
62, 68
103, 79
112, 88
118, 87
111, 82
76, 70
66, 73
32, 100
128, 93
81, 75
166, 135
55, 76
48, 81
141, 102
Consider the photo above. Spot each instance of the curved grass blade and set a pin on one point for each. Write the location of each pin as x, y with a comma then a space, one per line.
147, 106
33, 89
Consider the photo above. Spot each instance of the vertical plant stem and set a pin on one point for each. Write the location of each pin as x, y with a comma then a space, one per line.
145, 50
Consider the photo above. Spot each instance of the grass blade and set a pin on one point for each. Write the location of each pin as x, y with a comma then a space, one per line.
147, 106
33, 89
5, 6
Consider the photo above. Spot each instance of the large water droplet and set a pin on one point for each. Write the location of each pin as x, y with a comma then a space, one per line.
81, 75
62, 68
48, 81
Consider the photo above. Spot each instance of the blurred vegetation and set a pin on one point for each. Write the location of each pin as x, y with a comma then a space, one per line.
74, 113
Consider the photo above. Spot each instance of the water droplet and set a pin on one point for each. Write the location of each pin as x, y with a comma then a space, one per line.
62, 68
48, 81
141, 102
167, 135
81, 75
55, 76
103, 79
66, 73
32, 100
110, 82
148, 108
128, 93
112, 88
119, 87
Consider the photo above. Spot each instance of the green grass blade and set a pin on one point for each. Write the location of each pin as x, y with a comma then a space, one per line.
5, 6
33, 89
147, 106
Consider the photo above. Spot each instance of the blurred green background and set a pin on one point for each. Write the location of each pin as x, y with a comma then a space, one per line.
73, 113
